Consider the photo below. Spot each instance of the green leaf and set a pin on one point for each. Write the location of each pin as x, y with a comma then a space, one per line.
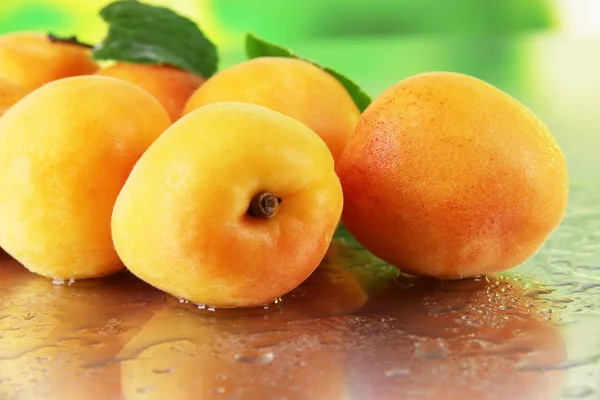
256, 47
145, 34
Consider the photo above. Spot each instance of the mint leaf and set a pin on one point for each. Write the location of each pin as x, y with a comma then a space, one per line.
145, 34
256, 47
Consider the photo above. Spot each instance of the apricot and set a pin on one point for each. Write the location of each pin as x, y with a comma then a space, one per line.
171, 86
31, 59
447, 176
292, 87
10, 93
233, 206
66, 150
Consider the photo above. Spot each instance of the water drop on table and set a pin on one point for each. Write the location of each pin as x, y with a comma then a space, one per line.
255, 357
431, 349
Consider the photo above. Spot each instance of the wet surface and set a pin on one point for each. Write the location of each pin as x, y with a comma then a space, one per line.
355, 330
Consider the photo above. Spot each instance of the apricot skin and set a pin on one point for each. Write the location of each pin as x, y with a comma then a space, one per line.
447, 176
171, 86
66, 150
195, 239
292, 87
10, 93
30, 59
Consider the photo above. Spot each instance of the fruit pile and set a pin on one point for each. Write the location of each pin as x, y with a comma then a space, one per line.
225, 188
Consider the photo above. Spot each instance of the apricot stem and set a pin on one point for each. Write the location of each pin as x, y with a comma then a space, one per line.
264, 205
69, 40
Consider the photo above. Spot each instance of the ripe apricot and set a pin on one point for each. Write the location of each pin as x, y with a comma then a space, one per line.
292, 87
448, 176
10, 93
66, 150
31, 59
171, 86
244, 203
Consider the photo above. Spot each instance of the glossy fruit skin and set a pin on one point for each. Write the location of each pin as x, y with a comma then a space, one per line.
171, 86
66, 150
30, 59
447, 176
10, 93
195, 239
292, 87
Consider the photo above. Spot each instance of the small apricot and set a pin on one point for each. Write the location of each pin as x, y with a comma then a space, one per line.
171, 86
10, 93
31, 59
66, 150
292, 87
447, 176
233, 206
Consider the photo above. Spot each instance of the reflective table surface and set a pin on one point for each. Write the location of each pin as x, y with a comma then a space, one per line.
355, 330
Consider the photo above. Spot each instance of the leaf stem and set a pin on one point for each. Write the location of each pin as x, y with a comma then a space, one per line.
69, 40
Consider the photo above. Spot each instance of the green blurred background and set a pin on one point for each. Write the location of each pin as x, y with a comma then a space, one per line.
546, 53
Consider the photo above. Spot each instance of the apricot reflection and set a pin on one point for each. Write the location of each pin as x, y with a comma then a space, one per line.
470, 339
350, 331
59, 342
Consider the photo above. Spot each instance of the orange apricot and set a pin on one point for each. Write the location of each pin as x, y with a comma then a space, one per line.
66, 150
10, 93
447, 176
31, 59
292, 87
244, 203
171, 86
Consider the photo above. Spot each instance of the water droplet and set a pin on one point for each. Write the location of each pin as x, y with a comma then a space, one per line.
201, 306
255, 357
219, 390
534, 293
58, 281
562, 300
397, 373
507, 307
211, 309
431, 349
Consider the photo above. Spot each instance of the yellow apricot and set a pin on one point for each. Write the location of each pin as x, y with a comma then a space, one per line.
447, 176
10, 93
66, 150
30, 59
292, 87
233, 206
171, 86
